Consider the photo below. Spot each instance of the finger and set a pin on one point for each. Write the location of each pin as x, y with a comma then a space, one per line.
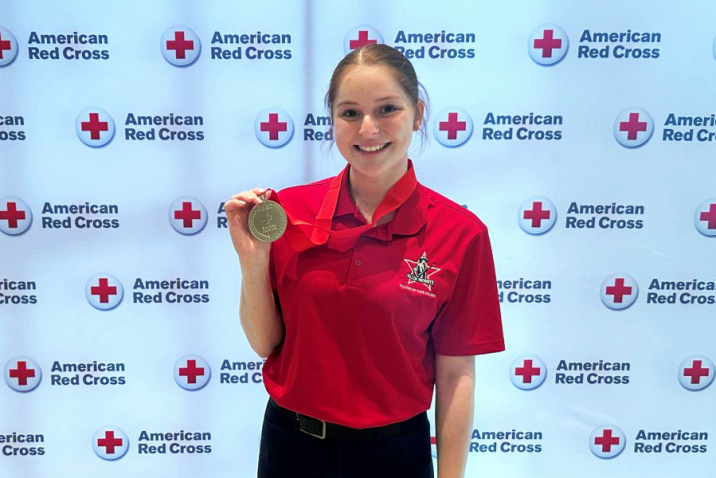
247, 196
234, 205
243, 194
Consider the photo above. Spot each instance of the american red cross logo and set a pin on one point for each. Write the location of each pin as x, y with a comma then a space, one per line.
536, 214
618, 290
95, 126
103, 290
708, 216
362, 40
22, 373
696, 372
12, 215
452, 126
633, 126
180, 45
606, 441
187, 214
4, 45
109, 442
191, 371
274, 126
548, 43
527, 371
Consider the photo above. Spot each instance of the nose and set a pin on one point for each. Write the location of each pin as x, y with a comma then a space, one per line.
368, 126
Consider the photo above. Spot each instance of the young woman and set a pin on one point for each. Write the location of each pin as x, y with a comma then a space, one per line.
379, 290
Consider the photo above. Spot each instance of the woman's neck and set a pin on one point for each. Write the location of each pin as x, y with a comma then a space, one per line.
368, 192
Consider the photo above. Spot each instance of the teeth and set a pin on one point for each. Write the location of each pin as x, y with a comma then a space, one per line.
370, 149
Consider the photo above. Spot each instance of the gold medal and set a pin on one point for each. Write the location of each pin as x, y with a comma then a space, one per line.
267, 220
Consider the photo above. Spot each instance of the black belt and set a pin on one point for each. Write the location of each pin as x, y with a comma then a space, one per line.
333, 431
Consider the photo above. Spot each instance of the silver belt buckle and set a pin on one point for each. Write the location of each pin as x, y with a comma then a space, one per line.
322, 436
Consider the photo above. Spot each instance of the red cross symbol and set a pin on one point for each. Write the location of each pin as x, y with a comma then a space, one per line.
180, 45
708, 216
452, 126
21, 373
103, 290
12, 215
187, 214
696, 372
536, 214
191, 371
95, 126
527, 372
362, 40
274, 126
633, 126
109, 442
548, 43
618, 290
606, 440
4, 45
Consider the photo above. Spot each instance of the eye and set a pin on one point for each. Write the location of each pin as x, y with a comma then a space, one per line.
349, 114
388, 109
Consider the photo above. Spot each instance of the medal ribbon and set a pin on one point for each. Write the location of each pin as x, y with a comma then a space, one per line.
321, 231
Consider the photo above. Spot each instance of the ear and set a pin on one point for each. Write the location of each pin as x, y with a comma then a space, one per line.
419, 115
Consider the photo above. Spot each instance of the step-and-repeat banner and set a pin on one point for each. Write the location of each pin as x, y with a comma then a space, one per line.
582, 133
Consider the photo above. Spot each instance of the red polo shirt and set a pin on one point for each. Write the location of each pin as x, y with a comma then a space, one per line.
363, 325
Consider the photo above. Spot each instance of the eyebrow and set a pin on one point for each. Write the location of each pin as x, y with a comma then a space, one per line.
376, 101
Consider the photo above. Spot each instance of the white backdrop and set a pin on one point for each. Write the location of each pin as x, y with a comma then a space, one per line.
60, 324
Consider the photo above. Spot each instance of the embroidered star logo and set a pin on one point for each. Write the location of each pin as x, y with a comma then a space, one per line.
421, 272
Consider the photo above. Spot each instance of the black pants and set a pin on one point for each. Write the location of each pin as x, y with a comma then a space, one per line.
288, 452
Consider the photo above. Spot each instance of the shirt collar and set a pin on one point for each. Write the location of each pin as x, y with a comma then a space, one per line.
409, 218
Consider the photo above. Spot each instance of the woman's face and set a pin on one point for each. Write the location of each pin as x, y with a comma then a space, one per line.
373, 121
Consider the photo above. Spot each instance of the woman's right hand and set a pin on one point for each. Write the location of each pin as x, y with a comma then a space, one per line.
237, 212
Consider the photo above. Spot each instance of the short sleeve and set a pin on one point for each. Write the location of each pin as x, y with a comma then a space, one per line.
469, 323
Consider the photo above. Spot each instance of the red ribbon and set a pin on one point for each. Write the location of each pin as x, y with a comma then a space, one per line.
302, 238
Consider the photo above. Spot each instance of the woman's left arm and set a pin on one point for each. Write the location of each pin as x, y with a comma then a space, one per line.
454, 405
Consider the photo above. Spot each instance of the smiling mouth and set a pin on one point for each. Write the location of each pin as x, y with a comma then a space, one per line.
370, 149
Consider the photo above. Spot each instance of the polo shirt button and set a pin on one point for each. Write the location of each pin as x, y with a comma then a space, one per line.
358, 263
363, 238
